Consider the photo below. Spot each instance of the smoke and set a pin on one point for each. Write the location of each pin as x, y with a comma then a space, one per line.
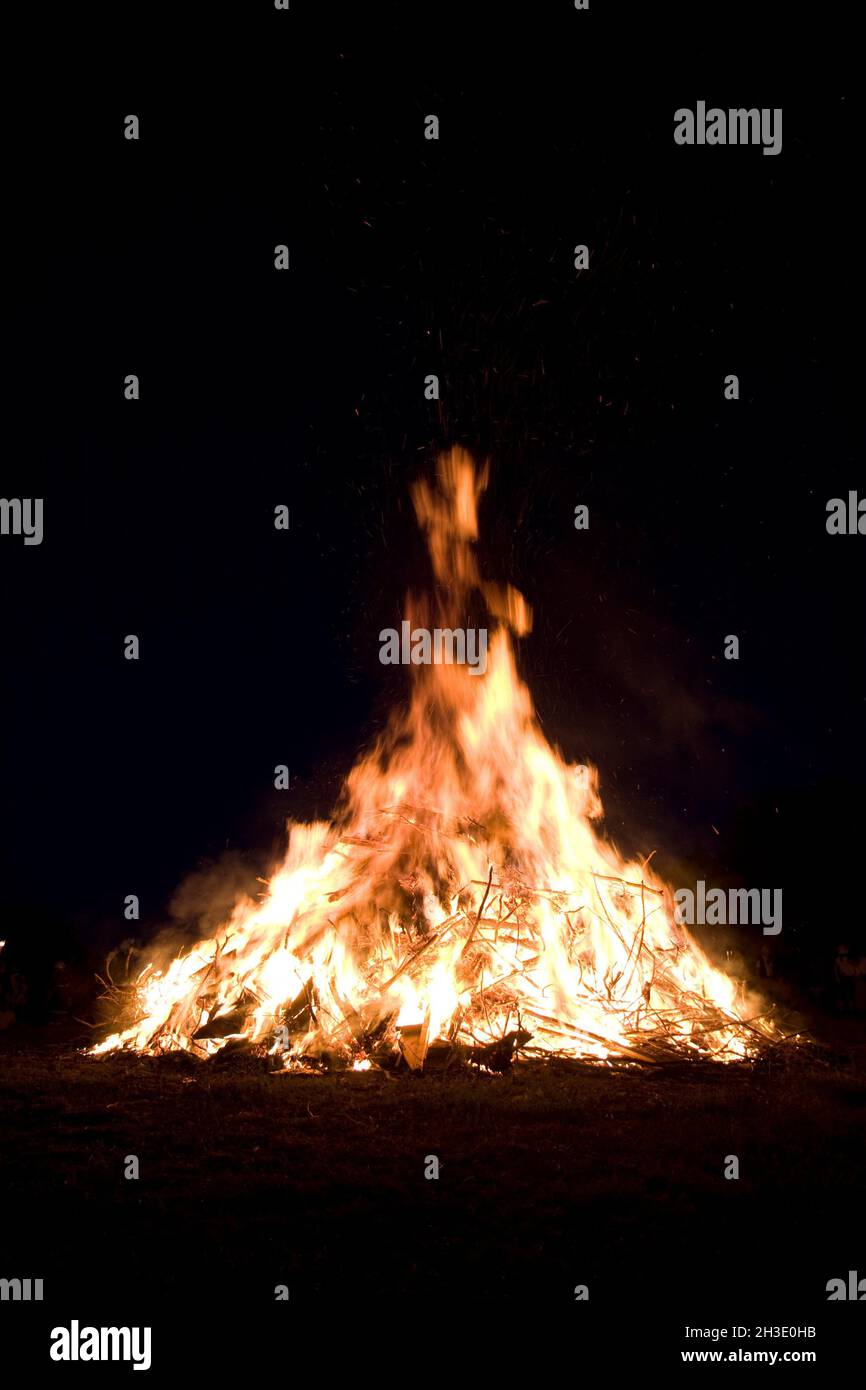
201, 904
206, 897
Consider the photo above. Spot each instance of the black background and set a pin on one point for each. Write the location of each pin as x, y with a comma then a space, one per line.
306, 388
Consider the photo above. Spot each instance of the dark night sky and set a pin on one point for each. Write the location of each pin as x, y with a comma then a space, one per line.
409, 257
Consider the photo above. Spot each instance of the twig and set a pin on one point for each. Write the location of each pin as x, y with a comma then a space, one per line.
479, 913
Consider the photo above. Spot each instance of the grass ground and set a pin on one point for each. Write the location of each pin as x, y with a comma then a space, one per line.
548, 1180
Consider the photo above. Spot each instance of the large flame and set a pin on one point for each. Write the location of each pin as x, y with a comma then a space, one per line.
463, 892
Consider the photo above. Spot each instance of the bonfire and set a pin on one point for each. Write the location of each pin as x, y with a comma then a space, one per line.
464, 904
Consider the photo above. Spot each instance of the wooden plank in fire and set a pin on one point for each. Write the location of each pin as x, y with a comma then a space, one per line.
414, 1041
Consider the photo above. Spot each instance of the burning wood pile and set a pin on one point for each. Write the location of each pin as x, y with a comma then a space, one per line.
463, 908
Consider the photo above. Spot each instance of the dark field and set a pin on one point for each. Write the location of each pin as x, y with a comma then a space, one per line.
549, 1179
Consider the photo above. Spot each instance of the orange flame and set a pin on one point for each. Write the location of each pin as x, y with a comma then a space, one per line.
462, 892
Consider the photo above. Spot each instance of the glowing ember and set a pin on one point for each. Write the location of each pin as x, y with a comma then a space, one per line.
462, 896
